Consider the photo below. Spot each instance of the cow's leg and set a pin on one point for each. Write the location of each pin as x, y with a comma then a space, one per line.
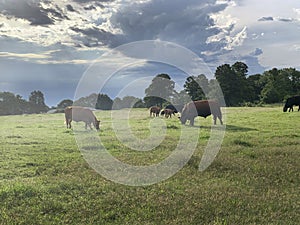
299, 108
69, 124
215, 119
220, 118
192, 121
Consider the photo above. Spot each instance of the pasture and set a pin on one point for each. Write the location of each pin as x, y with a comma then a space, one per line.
254, 179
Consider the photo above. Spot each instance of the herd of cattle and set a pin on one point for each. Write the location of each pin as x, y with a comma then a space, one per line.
189, 112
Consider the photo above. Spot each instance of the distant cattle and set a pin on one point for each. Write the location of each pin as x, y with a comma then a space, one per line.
290, 102
154, 110
176, 108
167, 112
78, 113
202, 108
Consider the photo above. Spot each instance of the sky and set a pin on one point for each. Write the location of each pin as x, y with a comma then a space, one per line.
52, 46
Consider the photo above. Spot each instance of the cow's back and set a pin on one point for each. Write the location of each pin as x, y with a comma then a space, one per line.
203, 107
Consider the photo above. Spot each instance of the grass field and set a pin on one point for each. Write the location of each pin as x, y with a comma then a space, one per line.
254, 179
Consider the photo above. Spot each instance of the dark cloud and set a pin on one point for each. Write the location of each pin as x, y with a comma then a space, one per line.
182, 22
31, 11
92, 1
70, 8
95, 37
268, 18
285, 19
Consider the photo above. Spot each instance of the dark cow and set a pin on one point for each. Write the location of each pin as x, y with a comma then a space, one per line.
167, 112
175, 108
202, 108
78, 113
155, 110
290, 102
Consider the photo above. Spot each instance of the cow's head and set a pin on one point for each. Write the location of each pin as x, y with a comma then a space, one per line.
183, 117
288, 104
97, 124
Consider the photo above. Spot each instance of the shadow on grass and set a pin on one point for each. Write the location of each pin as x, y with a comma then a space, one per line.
228, 128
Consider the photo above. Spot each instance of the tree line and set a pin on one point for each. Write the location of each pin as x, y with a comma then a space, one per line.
11, 104
238, 88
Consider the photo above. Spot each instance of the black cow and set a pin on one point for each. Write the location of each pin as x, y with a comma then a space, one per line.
201, 108
290, 102
175, 108
167, 112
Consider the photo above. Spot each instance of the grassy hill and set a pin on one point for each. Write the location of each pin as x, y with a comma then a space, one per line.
254, 179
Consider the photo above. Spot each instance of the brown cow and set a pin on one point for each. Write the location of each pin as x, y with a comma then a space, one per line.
167, 112
155, 110
78, 113
202, 108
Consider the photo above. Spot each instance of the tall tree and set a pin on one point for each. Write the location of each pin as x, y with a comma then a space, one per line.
197, 87
160, 90
37, 102
104, 102
255, 87
277, 86
233, 82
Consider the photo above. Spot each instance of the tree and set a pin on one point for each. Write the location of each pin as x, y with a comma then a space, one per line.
88, 101
215, 91
11, 104
104, 102
197, 87
233, 82
255, 86
37, 102
277, 85
64, 103
160, 90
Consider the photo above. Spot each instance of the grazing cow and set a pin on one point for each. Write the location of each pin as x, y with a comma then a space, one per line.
155, 110
167, 112
201, 108
175, 108
78, 113
290, 102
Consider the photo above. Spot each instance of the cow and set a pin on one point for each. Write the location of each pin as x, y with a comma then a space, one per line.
78, 113
167, 112
201, 108
176, 108
154, 110
290, 102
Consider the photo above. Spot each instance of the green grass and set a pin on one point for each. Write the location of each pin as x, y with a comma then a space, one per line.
255, 178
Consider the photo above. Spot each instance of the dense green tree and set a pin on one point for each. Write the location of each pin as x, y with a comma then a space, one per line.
88, 101
181, 98
233, 82
197, 87
64, 103
126, 102
215, 92
294, 78
277, 85
37, 102
255, 86
160, 90
104, 102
